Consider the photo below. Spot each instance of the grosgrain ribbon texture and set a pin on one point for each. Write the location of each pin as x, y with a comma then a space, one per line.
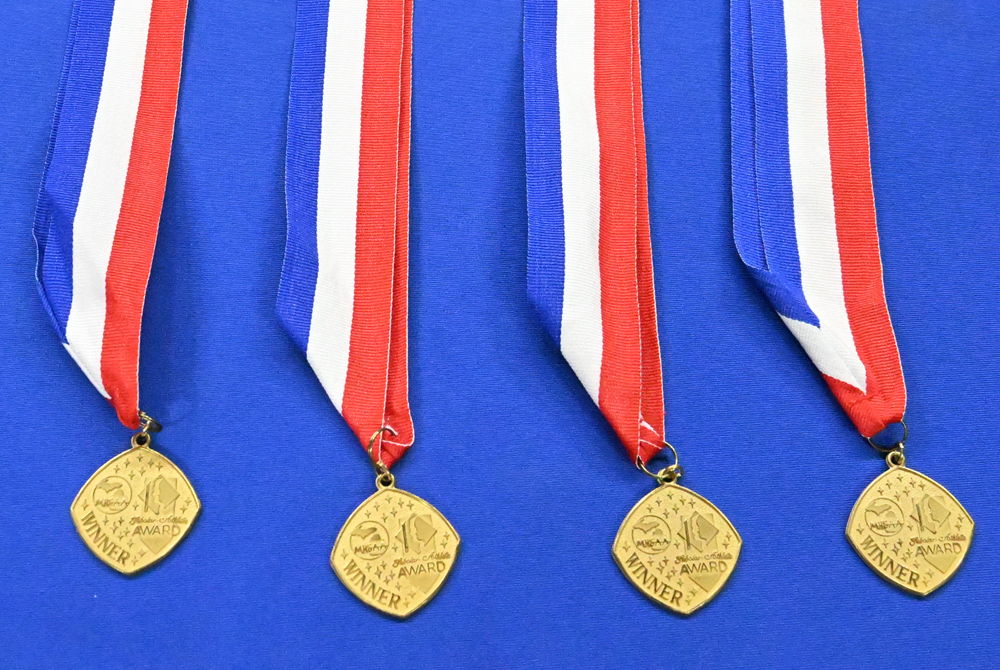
803, 205
343, 293
590, 267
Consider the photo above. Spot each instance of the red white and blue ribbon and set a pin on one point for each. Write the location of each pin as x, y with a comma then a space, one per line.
590, 268
343, 294
103, 183
804, 210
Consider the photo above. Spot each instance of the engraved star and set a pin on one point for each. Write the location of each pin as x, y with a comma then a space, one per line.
389, 499
140, 459
130, 543
677, 544
725, 545
399, 586
671, 573
670, 495
126, 463
859, 530
385, 517
376, 506
368, 569
691, 503
650, 562
921, 485
400, 504
378, 572
159, 466
658, 501
383, 564
680, 583
909, 526
117, 468
387, 579
682, 500
368, 515
142, 471
444, 544
131, 475
906, 491
410, 504
676, 508
896, 496
86, 504
135, 506
649, 507
880, 491
906, 555
393, 513
627, 546
659, 568
105, 518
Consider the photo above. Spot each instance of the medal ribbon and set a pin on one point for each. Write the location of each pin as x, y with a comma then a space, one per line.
343, 293
803, 206
590, 266
103, 183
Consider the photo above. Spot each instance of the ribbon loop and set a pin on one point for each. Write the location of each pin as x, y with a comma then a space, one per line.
590, 266
343, 294
103, 183
803, 204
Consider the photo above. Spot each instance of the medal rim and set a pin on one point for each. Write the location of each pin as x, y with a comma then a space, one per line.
857, 503
181, 538
430, 594
621, 529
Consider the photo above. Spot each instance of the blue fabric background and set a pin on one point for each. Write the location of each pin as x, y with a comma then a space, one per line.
509, 446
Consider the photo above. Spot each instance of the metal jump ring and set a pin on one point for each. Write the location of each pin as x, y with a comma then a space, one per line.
897, 446
667, 475
148, 424
380, 468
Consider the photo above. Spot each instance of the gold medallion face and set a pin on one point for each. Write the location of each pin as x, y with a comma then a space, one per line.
395, 552
910, 530
677, 548
134, 510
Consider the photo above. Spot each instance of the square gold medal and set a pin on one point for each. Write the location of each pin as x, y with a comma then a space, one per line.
910, 530
394, 552
677, 548
134, 510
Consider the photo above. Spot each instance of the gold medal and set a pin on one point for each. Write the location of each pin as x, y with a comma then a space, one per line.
909, 529
675, 546
395, 550
136, 508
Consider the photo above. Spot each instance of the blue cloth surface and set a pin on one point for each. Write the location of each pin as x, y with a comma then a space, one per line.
509, 447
